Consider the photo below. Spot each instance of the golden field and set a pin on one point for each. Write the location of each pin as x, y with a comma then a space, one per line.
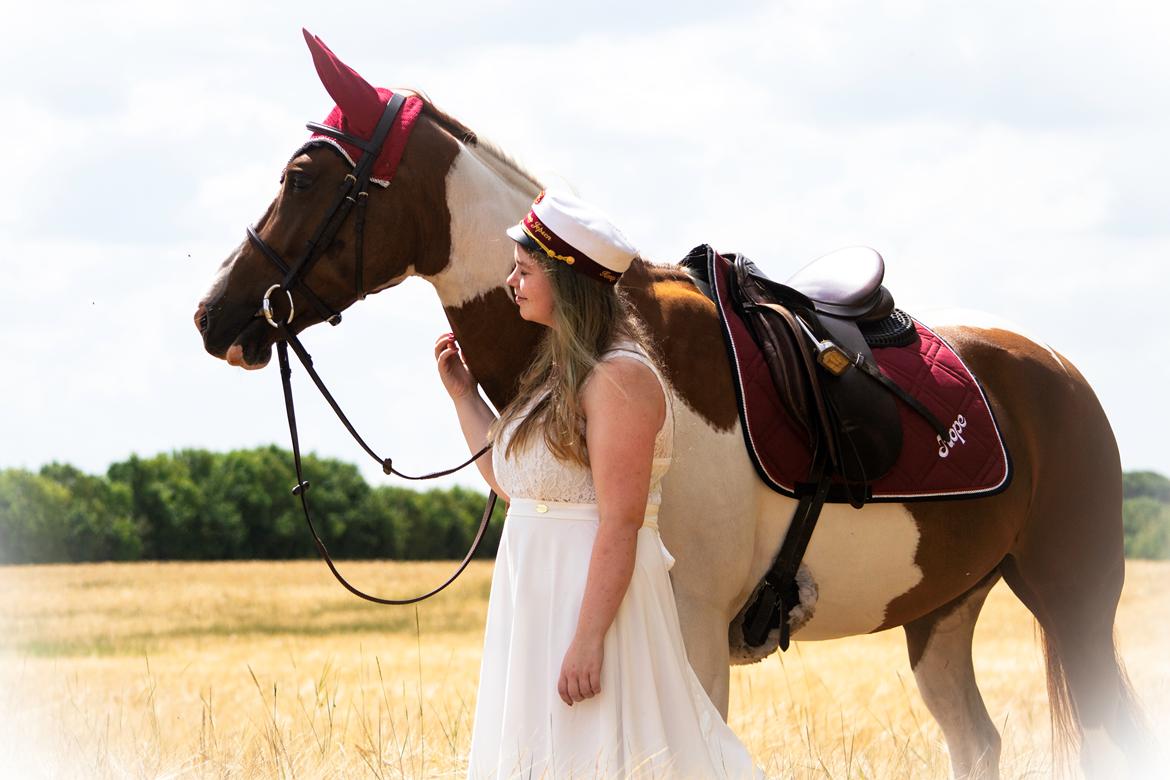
272, 670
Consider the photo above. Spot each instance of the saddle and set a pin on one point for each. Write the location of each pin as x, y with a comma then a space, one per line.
815, 334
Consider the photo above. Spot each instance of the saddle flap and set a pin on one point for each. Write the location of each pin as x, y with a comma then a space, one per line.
777, 337
856, 420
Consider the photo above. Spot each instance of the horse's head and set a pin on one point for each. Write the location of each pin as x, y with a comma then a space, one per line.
402, 231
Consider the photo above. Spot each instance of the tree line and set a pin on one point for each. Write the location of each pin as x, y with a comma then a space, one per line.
1146, 507
199, 505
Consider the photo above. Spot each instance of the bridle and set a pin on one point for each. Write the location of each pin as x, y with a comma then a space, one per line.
351, 195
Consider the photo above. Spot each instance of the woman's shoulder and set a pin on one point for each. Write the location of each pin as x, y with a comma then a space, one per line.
626, 371
626, 397
632, 352
635, 352
622, 379
623, 344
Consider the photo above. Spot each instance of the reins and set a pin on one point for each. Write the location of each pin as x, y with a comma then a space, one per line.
301, 489
351, 194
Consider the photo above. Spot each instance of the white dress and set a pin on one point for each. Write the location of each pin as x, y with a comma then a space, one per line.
652, 718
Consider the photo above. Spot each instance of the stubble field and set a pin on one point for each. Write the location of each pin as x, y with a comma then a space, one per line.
271, 670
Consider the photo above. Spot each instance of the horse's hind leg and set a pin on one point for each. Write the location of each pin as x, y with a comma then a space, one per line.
1067, 566
940, 655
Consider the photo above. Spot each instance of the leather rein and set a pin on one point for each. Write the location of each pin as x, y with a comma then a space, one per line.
351, 195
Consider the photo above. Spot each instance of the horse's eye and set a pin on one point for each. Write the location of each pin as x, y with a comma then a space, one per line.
300, 180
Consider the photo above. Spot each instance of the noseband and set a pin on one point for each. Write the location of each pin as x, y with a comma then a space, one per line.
351, 194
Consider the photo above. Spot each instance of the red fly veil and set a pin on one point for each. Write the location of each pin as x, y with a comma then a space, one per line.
359, 107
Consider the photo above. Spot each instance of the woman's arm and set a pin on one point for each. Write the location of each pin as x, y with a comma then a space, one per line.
473, 411
474, 418
624, 409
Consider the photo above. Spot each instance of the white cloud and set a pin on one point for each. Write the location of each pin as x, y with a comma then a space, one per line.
1002, 157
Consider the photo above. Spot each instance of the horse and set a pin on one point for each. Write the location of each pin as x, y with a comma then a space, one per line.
1054, 535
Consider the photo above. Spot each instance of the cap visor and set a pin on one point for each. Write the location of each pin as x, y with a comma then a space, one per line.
517, 234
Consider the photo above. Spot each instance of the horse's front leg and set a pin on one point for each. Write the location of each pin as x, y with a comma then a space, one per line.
704, 630
710, 509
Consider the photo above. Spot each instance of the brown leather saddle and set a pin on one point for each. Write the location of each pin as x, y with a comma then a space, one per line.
815, 333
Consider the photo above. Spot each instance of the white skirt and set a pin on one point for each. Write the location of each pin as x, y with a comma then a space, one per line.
652, 718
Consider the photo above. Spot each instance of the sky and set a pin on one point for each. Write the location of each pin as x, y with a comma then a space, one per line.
1002, 156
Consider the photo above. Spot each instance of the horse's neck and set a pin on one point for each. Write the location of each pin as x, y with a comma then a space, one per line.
483, 201
484, 197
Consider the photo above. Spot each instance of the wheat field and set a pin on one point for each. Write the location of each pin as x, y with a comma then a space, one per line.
258, 669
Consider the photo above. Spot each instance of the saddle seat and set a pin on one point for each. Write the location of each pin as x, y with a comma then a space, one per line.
846, 283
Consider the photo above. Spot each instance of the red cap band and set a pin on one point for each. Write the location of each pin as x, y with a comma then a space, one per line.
559, 249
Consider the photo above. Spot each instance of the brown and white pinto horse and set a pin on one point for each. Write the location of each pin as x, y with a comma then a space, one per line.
1054, 535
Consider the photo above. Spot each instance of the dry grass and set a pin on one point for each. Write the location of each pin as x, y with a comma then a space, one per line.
271, 670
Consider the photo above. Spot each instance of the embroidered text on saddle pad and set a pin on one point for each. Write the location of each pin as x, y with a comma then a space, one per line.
971, 462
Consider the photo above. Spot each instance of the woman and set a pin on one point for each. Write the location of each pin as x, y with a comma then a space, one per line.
584, 671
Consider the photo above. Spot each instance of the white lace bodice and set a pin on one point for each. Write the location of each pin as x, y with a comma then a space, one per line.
534, 472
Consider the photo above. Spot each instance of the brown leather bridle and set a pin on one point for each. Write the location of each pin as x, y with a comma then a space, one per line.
351, 193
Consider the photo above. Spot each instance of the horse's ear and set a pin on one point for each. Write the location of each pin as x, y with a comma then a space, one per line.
355, 97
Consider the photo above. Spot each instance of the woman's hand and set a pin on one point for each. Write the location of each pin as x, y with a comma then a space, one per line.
581, 669
453, 372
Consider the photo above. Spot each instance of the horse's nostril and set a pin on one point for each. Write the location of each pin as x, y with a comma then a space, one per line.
203, 322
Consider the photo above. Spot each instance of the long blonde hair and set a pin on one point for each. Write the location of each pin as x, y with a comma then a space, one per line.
589, 316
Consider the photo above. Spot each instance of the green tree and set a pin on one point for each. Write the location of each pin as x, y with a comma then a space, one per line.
177, 516
1147, 528
382, 530
1145, 483
473, 503
33, 524
256, 483
337, 498
99, 522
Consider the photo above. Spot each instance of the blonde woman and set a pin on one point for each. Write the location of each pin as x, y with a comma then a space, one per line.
584, 671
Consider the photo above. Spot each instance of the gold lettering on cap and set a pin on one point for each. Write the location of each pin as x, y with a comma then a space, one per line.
535, 230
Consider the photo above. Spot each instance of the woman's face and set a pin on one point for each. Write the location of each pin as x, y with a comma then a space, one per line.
532, 288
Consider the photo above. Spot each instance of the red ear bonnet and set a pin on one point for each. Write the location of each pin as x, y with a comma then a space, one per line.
359, 107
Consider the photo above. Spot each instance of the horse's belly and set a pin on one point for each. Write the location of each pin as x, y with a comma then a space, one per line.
725, 533
860, 561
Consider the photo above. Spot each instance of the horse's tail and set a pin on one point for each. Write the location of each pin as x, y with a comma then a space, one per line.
1065, 723
1129, 729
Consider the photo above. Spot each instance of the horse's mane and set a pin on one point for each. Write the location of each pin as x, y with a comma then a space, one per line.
666, 272
469, 137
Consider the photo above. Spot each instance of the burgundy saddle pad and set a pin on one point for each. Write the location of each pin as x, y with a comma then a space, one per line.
971, 462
